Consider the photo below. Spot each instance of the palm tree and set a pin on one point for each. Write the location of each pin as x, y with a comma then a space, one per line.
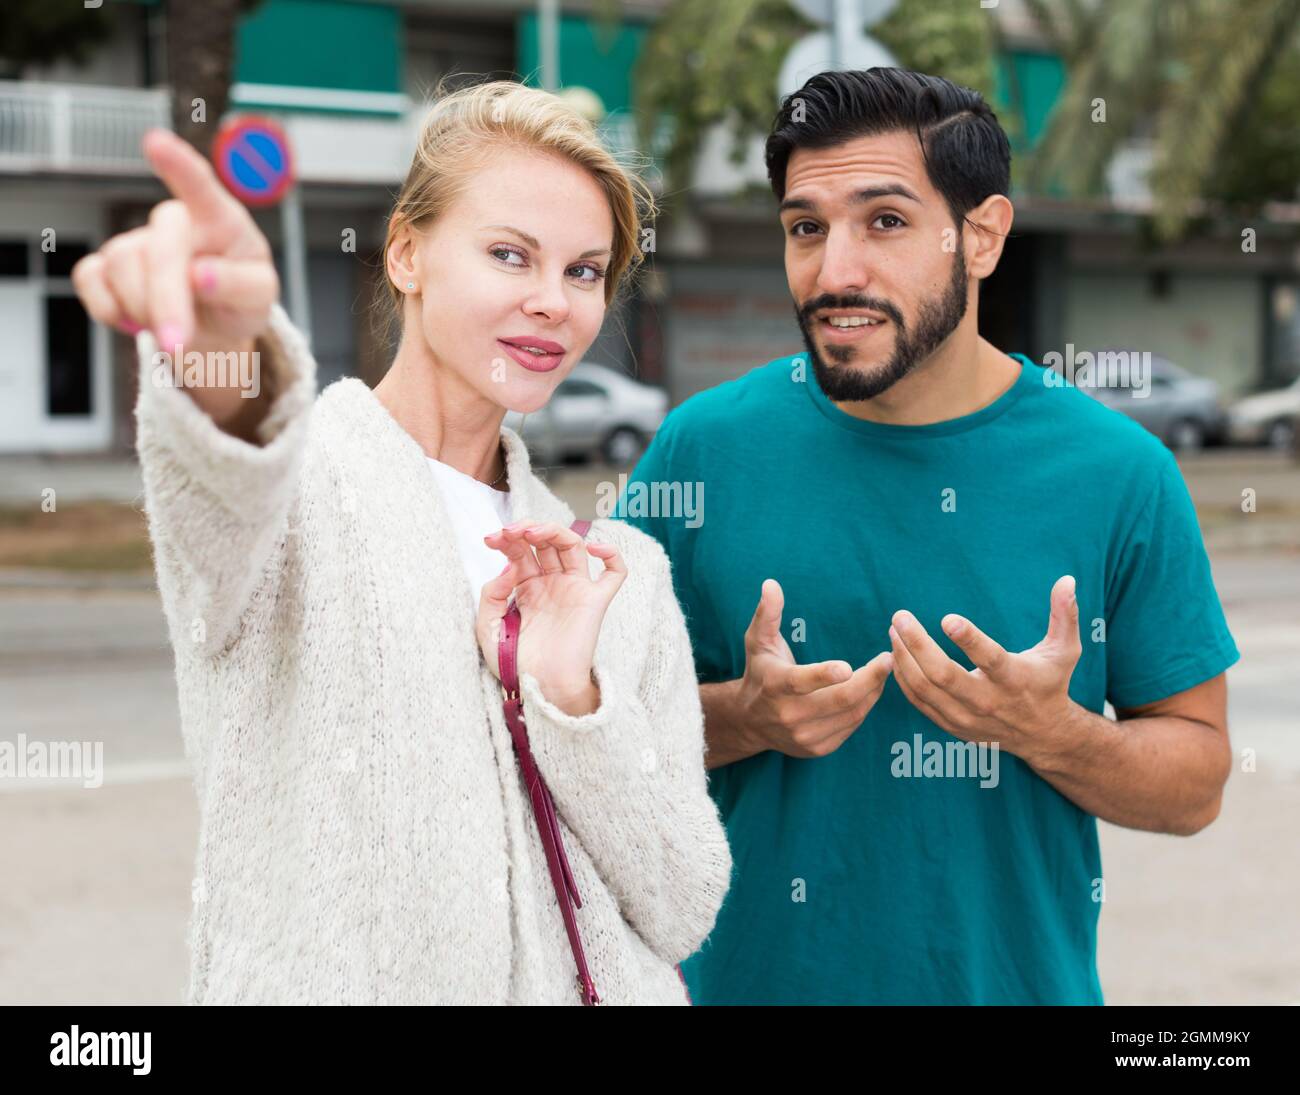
1188, 71
1185, 72
717, 62
705, 63
200, 60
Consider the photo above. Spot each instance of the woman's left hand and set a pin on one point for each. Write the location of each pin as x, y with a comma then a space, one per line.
561, 607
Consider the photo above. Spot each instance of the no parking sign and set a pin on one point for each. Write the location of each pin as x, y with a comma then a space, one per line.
252, 158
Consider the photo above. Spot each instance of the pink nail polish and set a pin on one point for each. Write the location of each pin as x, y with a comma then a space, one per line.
130, 327
170, 336
207, 278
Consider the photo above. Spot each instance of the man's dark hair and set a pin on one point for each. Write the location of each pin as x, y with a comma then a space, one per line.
967, 155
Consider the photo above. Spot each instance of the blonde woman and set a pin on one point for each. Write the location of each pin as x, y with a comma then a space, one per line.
334, 571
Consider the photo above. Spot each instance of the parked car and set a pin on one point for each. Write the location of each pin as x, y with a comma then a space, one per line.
1266, 418
596, 410
1184, 411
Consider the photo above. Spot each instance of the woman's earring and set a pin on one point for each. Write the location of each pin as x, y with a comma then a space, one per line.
410, 285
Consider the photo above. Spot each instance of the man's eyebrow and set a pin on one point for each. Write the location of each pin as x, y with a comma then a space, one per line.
892, 190
869, 194
532, 241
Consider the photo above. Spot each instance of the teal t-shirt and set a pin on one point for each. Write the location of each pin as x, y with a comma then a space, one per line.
863, 876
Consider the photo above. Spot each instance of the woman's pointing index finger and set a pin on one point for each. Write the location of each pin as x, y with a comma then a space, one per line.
191, 179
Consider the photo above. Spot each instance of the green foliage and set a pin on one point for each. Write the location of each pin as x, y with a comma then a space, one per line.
41, 32
950, 38
705, 63
1189, 72
954, 39
1229, 53
711, 62
1216, 82
1261, 159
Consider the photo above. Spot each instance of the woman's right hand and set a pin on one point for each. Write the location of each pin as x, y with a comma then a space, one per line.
199, 275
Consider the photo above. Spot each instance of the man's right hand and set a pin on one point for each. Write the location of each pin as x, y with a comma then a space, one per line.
798, 710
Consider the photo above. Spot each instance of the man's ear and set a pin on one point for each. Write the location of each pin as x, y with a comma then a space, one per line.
992, 220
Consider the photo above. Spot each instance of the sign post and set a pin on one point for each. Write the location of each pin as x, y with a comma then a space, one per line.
253, 159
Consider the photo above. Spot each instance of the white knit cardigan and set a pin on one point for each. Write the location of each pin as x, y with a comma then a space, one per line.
365, 835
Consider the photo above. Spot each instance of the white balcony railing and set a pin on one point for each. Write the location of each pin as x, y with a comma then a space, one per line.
80, 129
76, 128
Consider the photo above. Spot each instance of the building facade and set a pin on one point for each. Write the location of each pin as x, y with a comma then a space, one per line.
347, 80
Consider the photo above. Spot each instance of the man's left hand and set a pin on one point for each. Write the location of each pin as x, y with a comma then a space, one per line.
1021, 701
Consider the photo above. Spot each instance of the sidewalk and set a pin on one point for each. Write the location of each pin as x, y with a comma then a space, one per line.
1216, 480
100, 915
96, 891
97, 894
97, 882
74, 479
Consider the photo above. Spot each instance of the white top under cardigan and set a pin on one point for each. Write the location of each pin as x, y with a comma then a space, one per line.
475, 509
365, 836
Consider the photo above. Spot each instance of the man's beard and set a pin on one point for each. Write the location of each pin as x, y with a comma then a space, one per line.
936, 319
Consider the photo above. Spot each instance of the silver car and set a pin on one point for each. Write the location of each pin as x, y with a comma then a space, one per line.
1267, 418
1185, 411
596, 410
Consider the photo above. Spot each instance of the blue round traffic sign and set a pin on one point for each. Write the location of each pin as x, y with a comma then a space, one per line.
252, 158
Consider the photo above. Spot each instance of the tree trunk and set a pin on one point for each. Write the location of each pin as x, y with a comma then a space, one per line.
200, 59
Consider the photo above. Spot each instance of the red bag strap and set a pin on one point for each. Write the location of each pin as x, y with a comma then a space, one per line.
548, 824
